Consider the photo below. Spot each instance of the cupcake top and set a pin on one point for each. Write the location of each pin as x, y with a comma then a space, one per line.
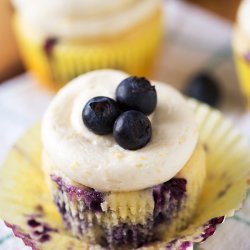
83, 18
241, 34
97, 161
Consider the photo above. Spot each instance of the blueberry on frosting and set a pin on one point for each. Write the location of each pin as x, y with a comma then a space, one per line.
99, 114
132, 130
136, 93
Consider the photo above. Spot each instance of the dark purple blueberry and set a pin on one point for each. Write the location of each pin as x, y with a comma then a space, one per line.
204, 88
168, 198
93, 200
99, 114
185, 245
132, 130
33, 223
136, 93
49, 44
44, 238
177, 187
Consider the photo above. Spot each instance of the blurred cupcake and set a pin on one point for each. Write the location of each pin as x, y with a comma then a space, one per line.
112, 196
61, 40
241, 47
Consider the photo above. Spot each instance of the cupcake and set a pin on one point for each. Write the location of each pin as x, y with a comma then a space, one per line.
62, 40
241, 48
122, 159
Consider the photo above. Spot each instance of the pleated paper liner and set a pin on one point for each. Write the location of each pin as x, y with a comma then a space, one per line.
27, 208
243, 69
56, 62
242, 62
119, 208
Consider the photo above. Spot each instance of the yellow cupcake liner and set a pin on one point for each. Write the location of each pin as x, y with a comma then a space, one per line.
240, 46
243, 69
132, 52
25, 199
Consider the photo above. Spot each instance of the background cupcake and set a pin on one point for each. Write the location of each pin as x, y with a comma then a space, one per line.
61, 40
241, 47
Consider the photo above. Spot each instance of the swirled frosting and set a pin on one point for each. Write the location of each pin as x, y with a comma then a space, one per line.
83, 18
241, 34
244, 17
98, 161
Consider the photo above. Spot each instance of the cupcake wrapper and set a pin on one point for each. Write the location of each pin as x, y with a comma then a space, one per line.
83, 214
243, 67
114, 219
24, 194
55, 62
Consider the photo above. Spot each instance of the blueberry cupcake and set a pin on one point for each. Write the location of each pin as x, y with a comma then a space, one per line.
122, 159
241, 48
61, 40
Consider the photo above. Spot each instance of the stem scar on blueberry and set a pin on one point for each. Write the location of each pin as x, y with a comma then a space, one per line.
99, 114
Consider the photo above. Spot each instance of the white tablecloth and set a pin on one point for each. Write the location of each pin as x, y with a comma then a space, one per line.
195, 40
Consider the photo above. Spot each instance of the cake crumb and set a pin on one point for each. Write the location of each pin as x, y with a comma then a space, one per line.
139, 165
119, 155
104, 206
87, 173
73, 166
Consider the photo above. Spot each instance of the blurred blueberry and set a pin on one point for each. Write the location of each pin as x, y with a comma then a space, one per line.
204, 88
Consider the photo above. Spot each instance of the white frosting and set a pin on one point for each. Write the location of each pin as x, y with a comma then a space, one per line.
83, 18
98, 161
244, 17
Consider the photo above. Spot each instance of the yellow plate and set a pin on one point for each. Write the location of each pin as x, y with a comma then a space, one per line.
26, 202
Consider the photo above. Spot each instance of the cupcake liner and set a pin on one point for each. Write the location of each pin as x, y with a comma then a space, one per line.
241, 55
56, 62
84, 214
26, 204
130, 218
243, 68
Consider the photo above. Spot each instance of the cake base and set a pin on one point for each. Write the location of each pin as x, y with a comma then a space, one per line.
132, 219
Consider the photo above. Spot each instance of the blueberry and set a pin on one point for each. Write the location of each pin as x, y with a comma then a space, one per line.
132, 130
99, 114
49, 45
136, 93
203, 88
